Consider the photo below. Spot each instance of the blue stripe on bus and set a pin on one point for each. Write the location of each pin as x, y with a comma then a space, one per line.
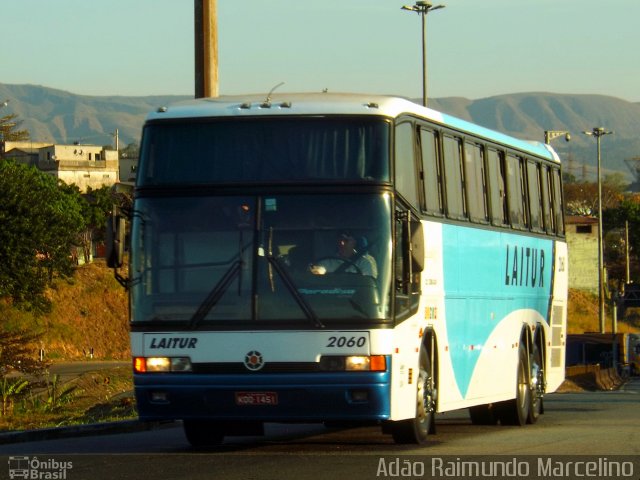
488, 275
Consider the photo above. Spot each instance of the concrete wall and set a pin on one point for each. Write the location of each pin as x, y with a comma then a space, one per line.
582, 242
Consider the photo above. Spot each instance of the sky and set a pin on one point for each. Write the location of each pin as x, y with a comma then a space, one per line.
476, 48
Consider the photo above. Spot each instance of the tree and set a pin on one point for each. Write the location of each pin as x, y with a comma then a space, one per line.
581, 198
132, 150
96, 208
614, 220
99, 205
9, 129
39, 224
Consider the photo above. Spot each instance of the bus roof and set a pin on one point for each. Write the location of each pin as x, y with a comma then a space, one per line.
288, 104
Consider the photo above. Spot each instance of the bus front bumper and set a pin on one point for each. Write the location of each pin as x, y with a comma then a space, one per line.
353, 396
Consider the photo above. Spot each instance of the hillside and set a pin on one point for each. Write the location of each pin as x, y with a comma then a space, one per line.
63, 117
528, 115
89, 311
582, 315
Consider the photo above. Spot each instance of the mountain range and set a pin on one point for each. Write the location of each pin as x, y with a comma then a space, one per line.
62, 117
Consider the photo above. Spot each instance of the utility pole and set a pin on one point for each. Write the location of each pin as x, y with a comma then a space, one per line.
627, 265
3, 104
598, 132
206, 48
117, 140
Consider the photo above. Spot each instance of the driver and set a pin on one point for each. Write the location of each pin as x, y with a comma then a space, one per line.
348, 257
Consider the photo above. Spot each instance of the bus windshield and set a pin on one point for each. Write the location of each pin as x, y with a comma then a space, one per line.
266, 150
260, 260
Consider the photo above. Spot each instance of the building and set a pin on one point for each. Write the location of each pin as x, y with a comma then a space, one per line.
83, 165
22, 152
128, 168
582, 242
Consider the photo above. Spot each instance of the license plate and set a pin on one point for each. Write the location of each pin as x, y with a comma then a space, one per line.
256, 398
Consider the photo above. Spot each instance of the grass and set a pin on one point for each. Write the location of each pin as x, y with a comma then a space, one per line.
91, 311
88, 311
99, 396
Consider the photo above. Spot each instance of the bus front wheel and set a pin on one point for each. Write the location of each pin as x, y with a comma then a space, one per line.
415, 430
516, 411
537, 383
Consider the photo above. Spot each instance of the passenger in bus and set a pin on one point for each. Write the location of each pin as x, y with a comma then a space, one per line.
351, 257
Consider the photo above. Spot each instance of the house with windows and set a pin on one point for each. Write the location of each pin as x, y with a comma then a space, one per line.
83, 165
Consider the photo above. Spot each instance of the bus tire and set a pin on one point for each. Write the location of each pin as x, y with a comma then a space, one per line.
516, 411
416, 430
537, 383
203, 433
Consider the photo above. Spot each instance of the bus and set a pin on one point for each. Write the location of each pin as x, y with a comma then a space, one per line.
341, 259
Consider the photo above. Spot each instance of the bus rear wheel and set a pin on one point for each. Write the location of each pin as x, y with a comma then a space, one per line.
416, 430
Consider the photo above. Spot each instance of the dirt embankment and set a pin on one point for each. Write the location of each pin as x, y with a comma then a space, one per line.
90, 314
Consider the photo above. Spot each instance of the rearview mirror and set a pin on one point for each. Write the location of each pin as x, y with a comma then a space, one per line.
417, 246
116, 229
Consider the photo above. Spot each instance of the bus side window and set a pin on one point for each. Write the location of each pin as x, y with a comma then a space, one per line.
557, 200
516, 193
453, 174
497, 188
432, 171
535, 196
476, 184
547, 207
405, 164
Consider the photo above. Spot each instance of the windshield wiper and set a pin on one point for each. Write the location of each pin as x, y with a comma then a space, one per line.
216, 293
288, 282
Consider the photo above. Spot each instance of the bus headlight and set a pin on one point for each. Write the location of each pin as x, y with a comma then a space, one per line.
354, 363
161, 364
357, 363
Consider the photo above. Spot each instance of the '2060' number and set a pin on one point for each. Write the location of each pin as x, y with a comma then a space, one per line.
340, 342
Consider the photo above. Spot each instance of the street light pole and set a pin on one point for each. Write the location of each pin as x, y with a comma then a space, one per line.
423, 8
599, 132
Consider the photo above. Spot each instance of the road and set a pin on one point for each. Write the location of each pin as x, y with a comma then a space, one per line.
594, 424
74, 369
